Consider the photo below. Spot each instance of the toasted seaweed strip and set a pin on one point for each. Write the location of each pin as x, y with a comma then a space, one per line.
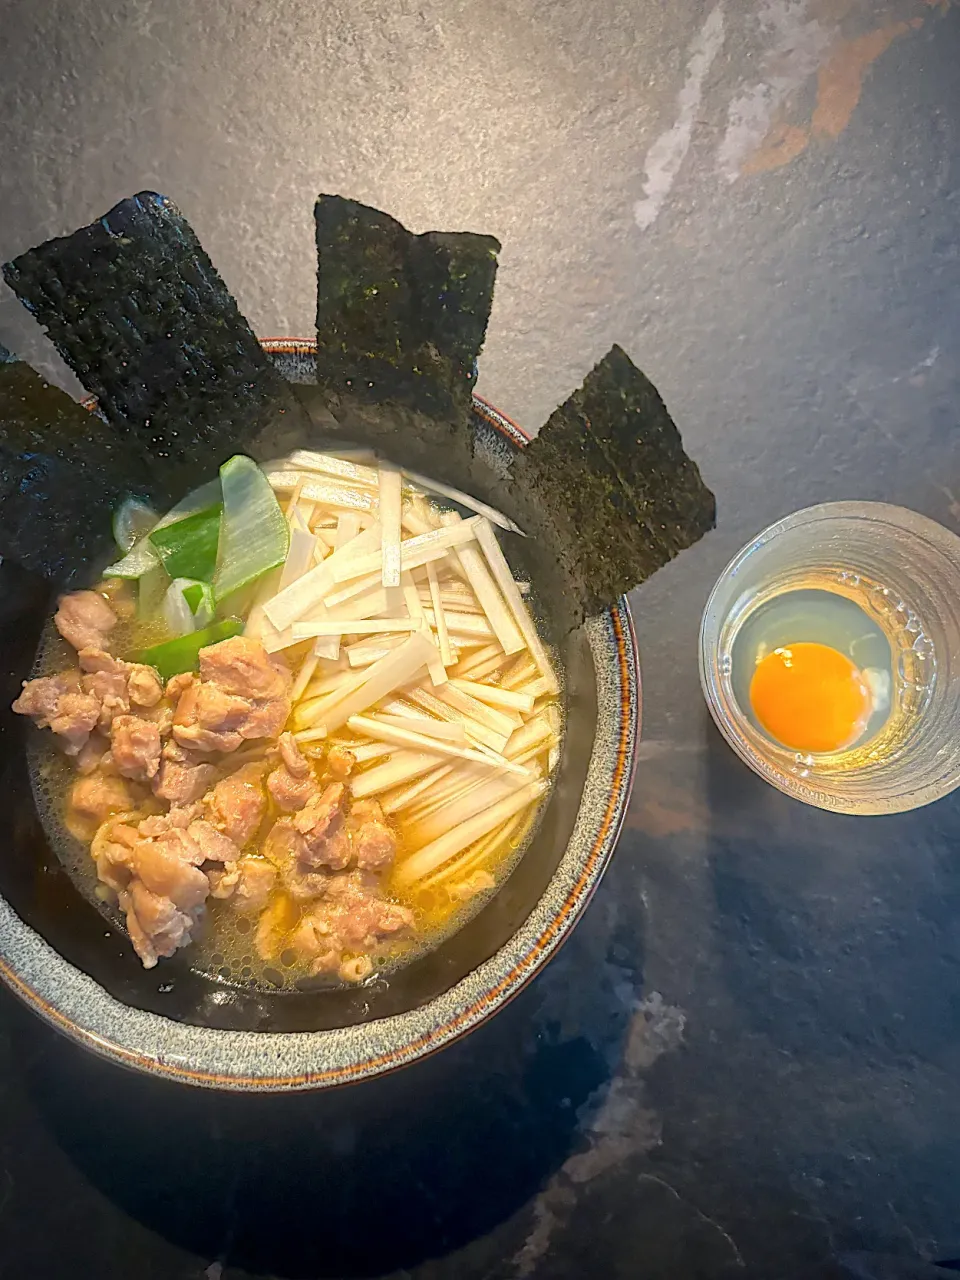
61, 472
137, 309
400, 317
607, 483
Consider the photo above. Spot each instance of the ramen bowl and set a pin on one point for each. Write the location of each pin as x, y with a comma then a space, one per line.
62, 957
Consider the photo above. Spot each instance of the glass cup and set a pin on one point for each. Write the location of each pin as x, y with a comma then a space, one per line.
903, 570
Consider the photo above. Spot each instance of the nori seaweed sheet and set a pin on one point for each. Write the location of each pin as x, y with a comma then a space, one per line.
607, 484
138, 311
61, 474
401, 319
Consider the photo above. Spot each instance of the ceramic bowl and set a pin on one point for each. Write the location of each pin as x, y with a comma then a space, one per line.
60, 955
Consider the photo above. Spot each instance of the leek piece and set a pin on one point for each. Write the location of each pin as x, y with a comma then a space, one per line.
183, 654
254, 533
151, 588
132, 521
188, 606
142, 556
188, 549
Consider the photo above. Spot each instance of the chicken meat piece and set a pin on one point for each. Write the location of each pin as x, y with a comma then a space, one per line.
375, 846
323, 842
362, 811
58, 703
295, 762
366, 918
118, 686
97, 797
156, 926
314, 940
248, 882
223, 880
213, 844
92, 755
177, 684
290, 792
84, 619
182, 778
158, 866
354, 916
243, 667
257, 881
237, 804
207, 719
340, 763
112, 850
161, 715
177, 818
242, 694
135, 748
283, 847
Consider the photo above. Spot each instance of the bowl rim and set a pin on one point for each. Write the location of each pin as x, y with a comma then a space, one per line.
76, 1005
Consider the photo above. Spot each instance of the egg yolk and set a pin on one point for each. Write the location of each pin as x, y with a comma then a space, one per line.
810, 697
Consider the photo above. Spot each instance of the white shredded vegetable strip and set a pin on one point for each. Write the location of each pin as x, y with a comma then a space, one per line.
501, 572
351, 627
370, 751
475, 710
311, 735
355, 588
326, 464
495, 697
476, 855
413, 551
401, 767
304, 675
366, 653
472, 504
474, 800
390, 505
402, 799
348, 526
528, 736
466, 833
344, 497
466, 665
443, 635
291, 604
464, 779
418, 742
448, 730
518, 675
478, 733
411, 598
380, 680
488, 668
485, 589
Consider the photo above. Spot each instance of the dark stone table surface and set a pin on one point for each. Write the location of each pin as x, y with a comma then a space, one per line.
745, 1061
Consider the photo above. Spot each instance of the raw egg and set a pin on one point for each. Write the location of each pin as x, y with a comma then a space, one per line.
810, 697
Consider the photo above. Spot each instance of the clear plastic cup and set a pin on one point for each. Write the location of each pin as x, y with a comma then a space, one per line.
904, 571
